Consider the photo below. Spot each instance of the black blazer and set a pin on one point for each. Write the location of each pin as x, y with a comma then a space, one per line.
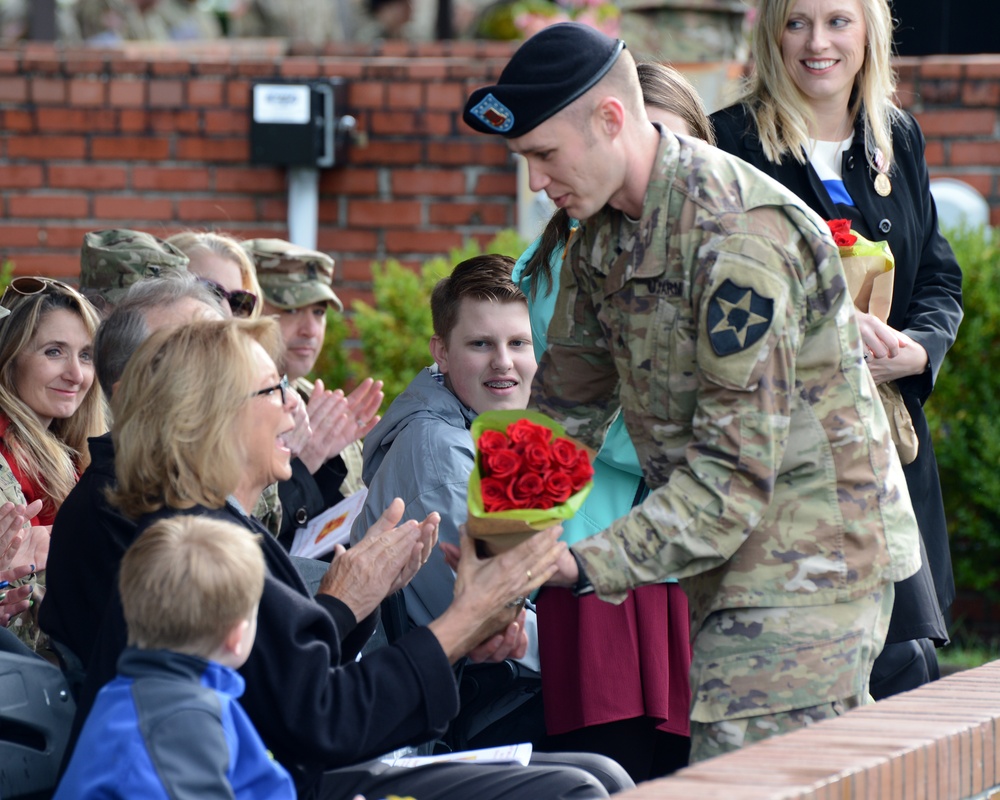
926, 305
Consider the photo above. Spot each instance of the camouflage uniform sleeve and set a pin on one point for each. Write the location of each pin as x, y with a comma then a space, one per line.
746, 312
576, 382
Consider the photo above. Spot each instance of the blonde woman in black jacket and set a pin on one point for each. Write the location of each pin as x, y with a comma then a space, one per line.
818, 116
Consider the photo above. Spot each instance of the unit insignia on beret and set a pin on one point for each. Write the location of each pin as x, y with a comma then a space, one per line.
493, 113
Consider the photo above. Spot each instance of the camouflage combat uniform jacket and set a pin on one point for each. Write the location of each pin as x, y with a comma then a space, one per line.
720, 323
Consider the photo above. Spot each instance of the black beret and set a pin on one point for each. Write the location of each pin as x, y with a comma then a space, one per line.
547, 73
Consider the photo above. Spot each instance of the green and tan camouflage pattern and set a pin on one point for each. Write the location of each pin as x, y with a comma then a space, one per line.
112, 260
776, 495
268, 509
773, 479
759, 672
685, 31
292, 276
352, 454
313, 21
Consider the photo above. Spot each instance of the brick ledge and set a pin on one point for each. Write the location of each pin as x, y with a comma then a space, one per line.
939, 741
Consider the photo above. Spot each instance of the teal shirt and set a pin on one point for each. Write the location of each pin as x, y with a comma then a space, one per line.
616, 470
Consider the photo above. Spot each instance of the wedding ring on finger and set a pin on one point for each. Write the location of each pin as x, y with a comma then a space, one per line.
529, 576
517, 602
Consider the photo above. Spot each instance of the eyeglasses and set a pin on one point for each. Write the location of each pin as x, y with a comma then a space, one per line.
241, 302
281, 386
26, 286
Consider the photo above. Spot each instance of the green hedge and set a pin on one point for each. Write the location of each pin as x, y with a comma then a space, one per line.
964, 415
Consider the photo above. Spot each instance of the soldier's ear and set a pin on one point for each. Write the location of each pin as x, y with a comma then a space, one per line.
609, 116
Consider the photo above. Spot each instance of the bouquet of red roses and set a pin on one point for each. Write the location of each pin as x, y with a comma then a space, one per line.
867, 267
528, 476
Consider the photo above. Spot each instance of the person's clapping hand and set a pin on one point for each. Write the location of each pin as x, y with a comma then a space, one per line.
383, 562
14, 601
512, 642
297, 438
15, 534
336, 420
490, 595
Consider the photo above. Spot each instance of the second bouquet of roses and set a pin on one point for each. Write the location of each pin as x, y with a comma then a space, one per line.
528, 476
868, 268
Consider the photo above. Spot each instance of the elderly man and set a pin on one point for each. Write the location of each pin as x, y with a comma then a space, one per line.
710, 305
89, 535
297, 288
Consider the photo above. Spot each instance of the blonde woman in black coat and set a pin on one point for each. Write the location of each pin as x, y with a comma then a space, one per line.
818, 116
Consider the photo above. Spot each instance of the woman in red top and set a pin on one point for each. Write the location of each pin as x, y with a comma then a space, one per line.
47, 408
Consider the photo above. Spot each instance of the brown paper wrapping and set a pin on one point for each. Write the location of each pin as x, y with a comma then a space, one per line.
870, 284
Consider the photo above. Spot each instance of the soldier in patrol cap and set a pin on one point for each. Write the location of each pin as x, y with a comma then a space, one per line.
112, 260
710, 305
297, 288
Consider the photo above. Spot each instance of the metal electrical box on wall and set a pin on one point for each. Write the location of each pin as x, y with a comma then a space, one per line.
300, 123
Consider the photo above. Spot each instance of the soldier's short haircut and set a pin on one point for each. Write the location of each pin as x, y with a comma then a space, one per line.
485, 277
125, 327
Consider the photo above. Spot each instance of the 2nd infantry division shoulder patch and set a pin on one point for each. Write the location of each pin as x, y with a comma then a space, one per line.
737, 318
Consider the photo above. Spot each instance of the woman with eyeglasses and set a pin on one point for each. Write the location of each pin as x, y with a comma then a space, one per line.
47, 408
221, 263
187, 445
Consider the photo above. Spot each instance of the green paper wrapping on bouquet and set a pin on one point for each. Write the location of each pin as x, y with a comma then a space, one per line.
501, 530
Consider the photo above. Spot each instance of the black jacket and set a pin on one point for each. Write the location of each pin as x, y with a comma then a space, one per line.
304, 496
926, 305
89, 538
315, 707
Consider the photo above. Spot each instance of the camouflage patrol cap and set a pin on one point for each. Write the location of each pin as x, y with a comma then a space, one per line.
112, 260
548, 72
291, 276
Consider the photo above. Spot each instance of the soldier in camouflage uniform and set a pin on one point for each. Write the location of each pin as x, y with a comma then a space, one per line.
110, 22
112, 260
710, 304
313, 21
297, 288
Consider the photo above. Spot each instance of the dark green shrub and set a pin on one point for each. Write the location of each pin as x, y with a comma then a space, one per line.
964, 415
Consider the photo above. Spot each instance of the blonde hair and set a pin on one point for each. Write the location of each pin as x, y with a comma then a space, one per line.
777, 105
48, 456
176, 411
219, 244
187, 581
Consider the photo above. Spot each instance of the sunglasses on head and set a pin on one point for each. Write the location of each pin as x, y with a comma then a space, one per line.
27, 285
241, 302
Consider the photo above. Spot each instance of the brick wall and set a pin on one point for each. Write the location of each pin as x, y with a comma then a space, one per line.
156, 138
956, 100
938, 742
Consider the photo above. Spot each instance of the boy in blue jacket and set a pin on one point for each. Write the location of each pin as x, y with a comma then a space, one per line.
189, 590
